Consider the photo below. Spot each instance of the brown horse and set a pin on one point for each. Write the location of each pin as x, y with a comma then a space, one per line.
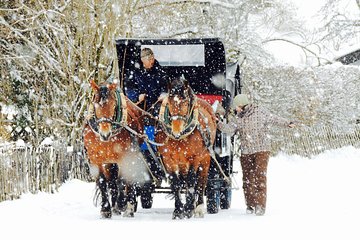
188, 128
111, 146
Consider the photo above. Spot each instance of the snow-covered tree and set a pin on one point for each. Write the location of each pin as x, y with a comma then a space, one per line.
318, 96
340, 24
49, 50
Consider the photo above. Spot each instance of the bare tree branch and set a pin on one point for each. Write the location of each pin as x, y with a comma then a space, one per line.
210, 2
300, 46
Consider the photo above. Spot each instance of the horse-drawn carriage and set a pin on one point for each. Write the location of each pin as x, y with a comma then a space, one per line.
202, 62
185, 149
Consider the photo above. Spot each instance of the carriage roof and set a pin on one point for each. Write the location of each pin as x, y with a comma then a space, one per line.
201, 60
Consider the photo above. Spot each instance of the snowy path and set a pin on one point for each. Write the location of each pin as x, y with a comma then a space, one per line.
307, 199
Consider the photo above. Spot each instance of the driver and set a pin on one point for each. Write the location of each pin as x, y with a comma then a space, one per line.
146, 87
148, 84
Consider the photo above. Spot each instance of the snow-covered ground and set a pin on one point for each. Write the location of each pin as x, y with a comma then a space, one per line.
315, 198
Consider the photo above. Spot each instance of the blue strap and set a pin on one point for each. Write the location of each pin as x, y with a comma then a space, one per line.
150, 132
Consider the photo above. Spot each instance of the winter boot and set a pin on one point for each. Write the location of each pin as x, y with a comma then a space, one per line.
259, 210
249, 210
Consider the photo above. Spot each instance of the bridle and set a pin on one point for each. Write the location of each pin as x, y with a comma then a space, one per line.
118, 121
190, 119
185, 117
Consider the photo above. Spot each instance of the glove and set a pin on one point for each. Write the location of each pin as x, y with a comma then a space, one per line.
292, 125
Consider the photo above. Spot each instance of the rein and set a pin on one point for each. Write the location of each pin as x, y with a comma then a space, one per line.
191, 120
118, 121
205, 133
190, 127
145, 112
121, 120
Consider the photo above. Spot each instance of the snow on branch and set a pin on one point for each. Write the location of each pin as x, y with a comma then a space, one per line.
306, 49
192, 30
50, 62
210, 2
218, 3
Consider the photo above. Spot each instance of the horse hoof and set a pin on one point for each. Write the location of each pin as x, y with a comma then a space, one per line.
116, 211
105, 214
199, 215
130, 209
177, 215
122, 209
128, 214
189, 214
199, 211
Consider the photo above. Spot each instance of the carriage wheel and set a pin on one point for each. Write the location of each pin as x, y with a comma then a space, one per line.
213, 201
225, 190
225, 198
213, 196
135, 207
146, 197
146, 201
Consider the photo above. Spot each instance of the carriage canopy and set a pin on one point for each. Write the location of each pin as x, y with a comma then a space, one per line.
201, 61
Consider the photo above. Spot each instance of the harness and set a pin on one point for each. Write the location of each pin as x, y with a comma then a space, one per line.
118, 121
191, 121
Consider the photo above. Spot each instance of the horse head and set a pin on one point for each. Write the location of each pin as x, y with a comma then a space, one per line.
104, 102
180, 105
188, 130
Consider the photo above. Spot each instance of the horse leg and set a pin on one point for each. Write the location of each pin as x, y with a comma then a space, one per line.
122, 197
113, 187
175, 184
190, 194
105, 204
200, 191
131, 201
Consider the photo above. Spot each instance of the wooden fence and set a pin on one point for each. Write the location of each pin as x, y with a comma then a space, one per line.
310, 141
26, 169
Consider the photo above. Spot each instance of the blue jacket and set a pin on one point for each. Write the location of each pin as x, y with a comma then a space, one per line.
152, 82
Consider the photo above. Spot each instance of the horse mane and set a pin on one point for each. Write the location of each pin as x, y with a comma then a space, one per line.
176, 88
104, 93
204, 104
179, 86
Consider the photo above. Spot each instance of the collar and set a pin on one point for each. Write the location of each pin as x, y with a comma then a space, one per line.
191, 124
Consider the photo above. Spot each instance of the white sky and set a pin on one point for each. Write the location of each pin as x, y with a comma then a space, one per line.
308, 8
315, 198
287, 53
308, 11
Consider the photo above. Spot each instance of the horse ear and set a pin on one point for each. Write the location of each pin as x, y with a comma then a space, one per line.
169, 85
184, 80
186, 83
93, 85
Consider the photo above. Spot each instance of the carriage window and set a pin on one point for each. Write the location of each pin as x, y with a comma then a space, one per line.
179, 55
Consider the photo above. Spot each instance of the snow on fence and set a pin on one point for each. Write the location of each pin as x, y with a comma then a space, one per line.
310, 141
25, 169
